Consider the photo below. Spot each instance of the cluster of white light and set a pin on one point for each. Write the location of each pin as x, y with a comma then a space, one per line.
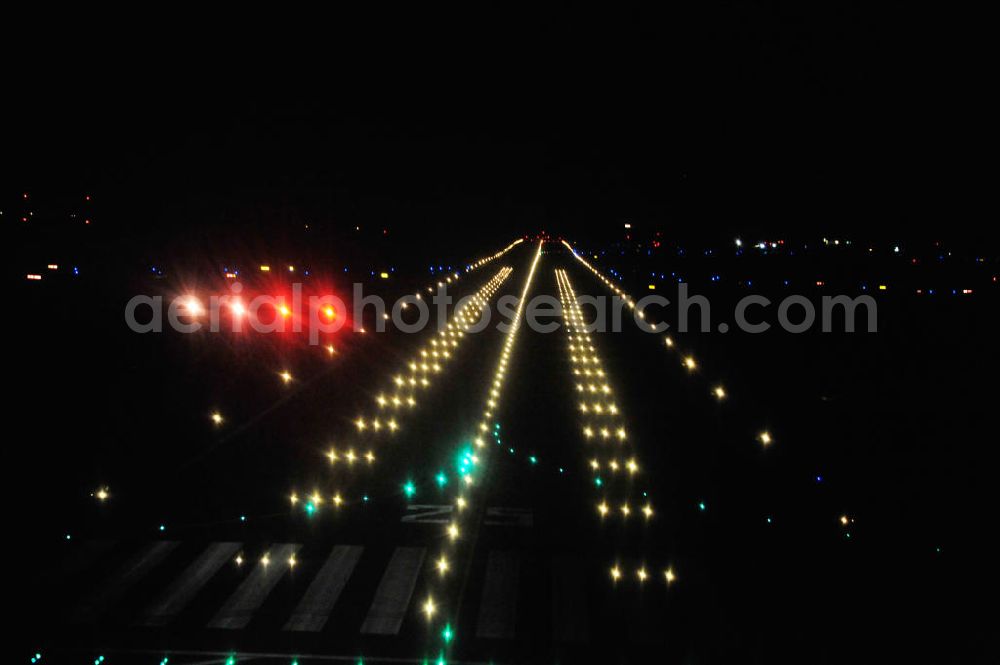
349, 457
487, 259
642, 575
431, 358
494, 392
454, 277
607, 282
602, 417
688, 361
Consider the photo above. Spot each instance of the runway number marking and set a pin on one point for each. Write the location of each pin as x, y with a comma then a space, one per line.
428, 514
441, 514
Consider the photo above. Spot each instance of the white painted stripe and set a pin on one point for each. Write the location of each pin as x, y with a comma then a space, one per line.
190, 582
315, 607
252, 593
498, 609
392, 598
111, 591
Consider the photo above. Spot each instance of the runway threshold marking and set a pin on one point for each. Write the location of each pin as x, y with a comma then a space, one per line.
253, 591
189, 583
392, 598
314, 609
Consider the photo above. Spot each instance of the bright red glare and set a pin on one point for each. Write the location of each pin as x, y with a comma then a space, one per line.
238, 309
193, 307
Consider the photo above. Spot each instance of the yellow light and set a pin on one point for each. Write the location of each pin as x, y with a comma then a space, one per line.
285, 311
453, 531
333, 456
265, 268
239, 559
669, 575
602, 509
265, 560
669, 342
384, 275
217, 418
719, 392
292, 561
616, 573
765, 438
337, 499
626, 510
294, 498
845, 520
460, 502
370, 456
429, 608
286, 376
690, 363
330, 312
642, 575
442, 565
647, 510
102, 494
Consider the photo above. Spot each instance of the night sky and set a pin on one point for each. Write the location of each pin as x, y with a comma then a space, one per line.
764, 116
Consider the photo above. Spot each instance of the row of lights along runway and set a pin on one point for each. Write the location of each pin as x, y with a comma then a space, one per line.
427, 362
603, 426
718, 392
471, 459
